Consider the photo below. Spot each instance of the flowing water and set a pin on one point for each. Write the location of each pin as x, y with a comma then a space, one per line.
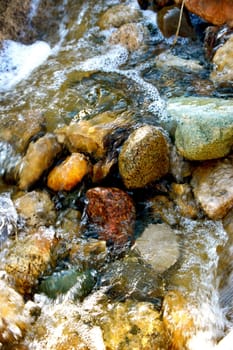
73, 72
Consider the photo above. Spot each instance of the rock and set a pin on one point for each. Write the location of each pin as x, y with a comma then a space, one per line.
144, 157
132, 278
94, 135
28, 259
223, 64
13, 322
118, 15
177, 319
68, 174
130, 35
36, 208
167, 61
18, 129
168, 19
213, 187
158, 246
39, 157
111, 215
217, 12
132, 325
204, 126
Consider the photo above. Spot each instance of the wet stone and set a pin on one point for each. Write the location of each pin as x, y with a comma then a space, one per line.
28, 259
144, 157
129, 35
212, 186
39, 157
118, 15
36, 208
69, 173
8, 217
158, 246
110, 215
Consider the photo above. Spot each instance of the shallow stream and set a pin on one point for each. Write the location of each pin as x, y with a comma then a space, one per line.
73, 71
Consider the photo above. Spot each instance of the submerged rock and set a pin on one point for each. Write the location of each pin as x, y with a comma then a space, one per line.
110, 215
130, 35
144, 157
36, 208
69, 173
39, 157
213, 187
158, 246
78, 283
28, 259
118, 15
204, 126
132, 325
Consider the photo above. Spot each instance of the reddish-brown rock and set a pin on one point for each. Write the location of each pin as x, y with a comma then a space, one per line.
217, 12
111, 214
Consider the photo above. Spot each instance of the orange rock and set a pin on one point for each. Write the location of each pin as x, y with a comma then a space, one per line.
217, 12
69, 173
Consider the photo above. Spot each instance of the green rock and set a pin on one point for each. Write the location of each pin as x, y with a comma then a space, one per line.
204, 126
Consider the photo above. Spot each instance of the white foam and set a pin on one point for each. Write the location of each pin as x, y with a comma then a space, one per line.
17, 61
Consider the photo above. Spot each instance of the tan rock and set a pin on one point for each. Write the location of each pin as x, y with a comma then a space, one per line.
39, 157
27, 259
183, 197
213, 187
130, 35
223, 64
36, 208
69, 173
118, 15
144, 157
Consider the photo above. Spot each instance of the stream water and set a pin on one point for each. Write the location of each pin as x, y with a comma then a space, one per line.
73, 72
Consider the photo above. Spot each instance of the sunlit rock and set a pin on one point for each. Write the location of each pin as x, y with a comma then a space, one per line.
110, 215
94, 135
168, 19
28, 259
178, 319
130, 35
223, 64
133, 278
144, 157
69, 173
132, 325
39, 157
214, 11
18, 129
213, 187
36, 208
118, 15
204, 126
158, 246
13, 323
167, 61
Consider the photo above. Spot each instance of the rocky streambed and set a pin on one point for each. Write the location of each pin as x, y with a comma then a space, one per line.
116, 176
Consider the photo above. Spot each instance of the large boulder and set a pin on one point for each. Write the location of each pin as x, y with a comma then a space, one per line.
204, 126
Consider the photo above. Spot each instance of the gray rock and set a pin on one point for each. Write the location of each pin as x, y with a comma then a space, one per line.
204, 126
158, 246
